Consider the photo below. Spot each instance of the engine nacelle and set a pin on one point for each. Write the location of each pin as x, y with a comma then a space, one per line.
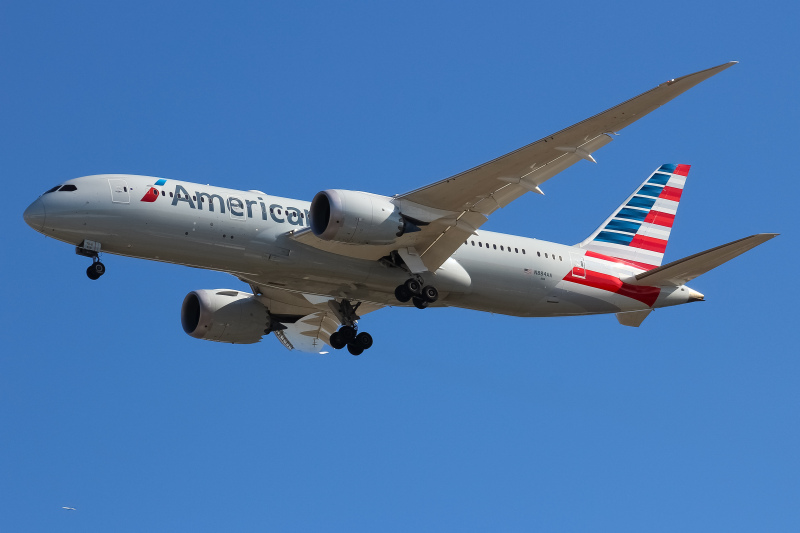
357, 217
225, 315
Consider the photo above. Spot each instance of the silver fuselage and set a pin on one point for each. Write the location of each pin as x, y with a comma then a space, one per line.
249, 234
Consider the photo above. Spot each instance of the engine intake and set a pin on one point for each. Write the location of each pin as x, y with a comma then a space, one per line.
357, 217
225, 315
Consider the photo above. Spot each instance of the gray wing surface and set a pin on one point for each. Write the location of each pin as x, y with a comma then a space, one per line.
476, 193
456, 207
310, 320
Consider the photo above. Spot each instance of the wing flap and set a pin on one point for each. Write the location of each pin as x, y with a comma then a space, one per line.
684, 270
313, 330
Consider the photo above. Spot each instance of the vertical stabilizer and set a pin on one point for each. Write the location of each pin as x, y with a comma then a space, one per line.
638, 231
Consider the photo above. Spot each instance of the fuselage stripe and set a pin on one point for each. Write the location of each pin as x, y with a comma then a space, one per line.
605, 282
610, 259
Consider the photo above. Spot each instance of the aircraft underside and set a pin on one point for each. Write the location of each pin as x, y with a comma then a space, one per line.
314, 269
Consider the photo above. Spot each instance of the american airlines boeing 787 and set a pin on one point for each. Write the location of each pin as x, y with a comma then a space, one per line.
315, 268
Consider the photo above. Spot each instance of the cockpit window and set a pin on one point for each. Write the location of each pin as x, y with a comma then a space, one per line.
62, 188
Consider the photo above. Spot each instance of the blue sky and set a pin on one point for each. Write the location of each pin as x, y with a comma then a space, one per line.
455, 420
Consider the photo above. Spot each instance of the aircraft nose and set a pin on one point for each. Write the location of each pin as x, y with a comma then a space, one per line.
34, 215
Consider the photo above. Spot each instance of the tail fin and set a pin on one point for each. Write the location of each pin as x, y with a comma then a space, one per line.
638, 230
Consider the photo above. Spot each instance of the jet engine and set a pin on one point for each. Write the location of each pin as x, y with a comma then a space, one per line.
225, 315
357, 218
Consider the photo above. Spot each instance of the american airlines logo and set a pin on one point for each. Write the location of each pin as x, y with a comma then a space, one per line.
152, 194
237, 207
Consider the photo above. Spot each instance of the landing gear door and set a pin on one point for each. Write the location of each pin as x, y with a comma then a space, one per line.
119, 191
578, 265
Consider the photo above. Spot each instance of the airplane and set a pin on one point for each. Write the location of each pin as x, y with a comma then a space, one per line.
314, 269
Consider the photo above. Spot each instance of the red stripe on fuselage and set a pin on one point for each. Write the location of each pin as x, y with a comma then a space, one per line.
659, 218
648, 243
682, 170
605, 282
634, 264
671, 193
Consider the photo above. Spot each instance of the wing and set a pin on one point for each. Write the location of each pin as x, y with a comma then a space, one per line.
456, 207
475, 194
309, 319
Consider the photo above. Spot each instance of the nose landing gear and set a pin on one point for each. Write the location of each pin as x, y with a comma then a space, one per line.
92, 249
95, 270
413, 290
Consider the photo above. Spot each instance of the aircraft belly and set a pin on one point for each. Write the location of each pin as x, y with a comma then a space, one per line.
498, 288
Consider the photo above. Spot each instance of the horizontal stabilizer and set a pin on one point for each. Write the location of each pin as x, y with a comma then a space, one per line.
684, 270
633, 319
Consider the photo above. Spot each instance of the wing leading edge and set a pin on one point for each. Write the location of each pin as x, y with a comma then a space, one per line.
476, 193
454, 208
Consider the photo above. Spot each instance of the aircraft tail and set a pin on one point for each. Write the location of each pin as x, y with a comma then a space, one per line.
685, 270
638, 230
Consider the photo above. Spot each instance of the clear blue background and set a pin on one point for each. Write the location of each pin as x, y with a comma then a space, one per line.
455, 420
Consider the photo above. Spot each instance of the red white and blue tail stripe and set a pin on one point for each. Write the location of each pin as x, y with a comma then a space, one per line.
638, 231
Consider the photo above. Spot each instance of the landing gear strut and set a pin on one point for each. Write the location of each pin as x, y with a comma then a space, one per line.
348, 334
92, 249
413, 290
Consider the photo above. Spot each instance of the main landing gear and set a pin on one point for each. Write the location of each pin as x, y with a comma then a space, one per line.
348, 334
413, 290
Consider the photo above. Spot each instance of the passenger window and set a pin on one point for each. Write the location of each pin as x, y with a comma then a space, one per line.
480, 244
163, 193
170, 195
523, 250
494, 246
473, 243
516, 250
501, 248
545, 255
559, 258
554, 257
124, 189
